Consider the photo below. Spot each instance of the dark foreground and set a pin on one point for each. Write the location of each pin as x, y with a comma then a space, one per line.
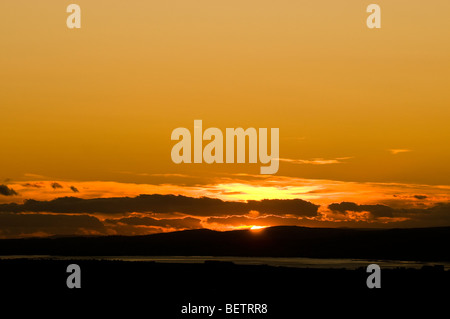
157, 290
417, 244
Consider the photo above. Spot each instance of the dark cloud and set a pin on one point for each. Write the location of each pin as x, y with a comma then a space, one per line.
179, 223
6, 191
343, 207
420, 196
56, 185
203, 206
296, 207
375, 210
34, 185
26, 224
437, 215
74, 189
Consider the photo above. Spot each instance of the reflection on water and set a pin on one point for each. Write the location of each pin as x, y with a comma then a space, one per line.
271, 261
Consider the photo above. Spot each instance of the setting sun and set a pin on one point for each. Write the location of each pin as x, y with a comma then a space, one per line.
254, 227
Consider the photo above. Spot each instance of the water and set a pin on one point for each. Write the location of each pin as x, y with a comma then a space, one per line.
296, 262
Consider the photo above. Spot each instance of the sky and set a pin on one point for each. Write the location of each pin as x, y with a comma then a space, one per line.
363, 113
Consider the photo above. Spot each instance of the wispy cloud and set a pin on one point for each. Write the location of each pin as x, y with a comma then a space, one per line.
316, 161
395, 151
170, 175
156, 175
34, 185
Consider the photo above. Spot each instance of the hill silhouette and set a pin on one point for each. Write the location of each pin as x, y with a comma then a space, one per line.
422, 244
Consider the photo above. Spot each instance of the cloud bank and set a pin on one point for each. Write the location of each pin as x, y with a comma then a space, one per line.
145, 214
163, 204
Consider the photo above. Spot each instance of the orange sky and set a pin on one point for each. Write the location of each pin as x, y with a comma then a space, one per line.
363, 114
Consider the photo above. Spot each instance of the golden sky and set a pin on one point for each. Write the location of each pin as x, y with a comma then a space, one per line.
355, 106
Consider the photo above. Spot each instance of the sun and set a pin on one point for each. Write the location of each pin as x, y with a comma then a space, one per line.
254, 227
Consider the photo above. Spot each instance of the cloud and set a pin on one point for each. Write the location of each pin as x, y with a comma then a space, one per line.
162, 204
147, 214
167, 175
420, 196
375, 210
344, 207
56, 185
179, 223
74, 189
33, 185
156, 174
437, 215
296, 207
315, 161
14, 225
6, 191
395, 151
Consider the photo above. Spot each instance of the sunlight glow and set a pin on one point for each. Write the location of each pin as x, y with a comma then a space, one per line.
238, 191
254, 227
